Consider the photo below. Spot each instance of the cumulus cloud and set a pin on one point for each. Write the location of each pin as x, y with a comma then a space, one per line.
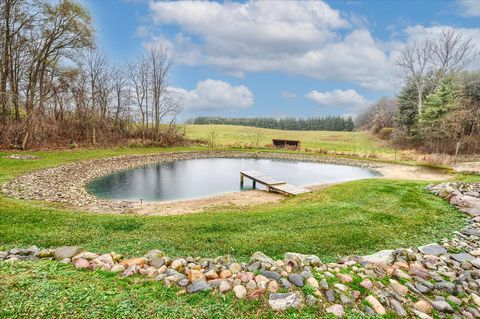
214, 95
298, 37
307, 38
469, 8
338, 98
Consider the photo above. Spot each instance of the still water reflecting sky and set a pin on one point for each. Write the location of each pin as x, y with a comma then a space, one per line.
196, 178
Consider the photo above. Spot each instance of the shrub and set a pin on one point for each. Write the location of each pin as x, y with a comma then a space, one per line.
385, 133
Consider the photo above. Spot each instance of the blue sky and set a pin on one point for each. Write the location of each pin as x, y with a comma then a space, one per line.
278, 58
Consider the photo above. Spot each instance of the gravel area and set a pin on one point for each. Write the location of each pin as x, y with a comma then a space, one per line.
67, 183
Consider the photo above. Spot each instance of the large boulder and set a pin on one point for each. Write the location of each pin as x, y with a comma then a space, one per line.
467, 204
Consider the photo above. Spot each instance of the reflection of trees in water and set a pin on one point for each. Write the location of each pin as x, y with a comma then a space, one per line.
205, 177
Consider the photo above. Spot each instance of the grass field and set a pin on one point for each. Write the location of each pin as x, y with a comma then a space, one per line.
352, 218
355, 143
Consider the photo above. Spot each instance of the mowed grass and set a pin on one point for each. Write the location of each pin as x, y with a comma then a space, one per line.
355, 143
357, 217
351, 218
53, 290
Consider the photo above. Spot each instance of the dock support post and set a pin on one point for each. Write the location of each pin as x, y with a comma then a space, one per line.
241, 179
254, 183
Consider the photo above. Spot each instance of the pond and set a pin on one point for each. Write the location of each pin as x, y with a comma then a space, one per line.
196, 178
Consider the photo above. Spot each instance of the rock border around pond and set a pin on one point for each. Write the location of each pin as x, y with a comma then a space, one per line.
435, 280
67, 183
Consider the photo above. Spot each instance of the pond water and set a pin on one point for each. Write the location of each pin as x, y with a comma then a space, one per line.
195, 178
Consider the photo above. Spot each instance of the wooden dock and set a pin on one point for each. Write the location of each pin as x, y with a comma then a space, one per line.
271, 184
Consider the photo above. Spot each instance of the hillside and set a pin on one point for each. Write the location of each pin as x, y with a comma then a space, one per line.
359, 143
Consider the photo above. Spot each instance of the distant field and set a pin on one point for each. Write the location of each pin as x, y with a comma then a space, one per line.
358, 143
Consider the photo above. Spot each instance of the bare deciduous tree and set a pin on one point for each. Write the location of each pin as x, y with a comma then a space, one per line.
160, 59
431, 60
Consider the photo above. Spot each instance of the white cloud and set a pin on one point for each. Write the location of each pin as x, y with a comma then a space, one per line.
297, 37
469, 8
338, 98
420, 32
288, 94
214, 95
307, 38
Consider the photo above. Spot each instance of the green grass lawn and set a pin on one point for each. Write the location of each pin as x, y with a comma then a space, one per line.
357, 217
359, 143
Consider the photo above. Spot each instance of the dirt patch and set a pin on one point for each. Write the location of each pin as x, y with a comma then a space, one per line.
412, 172
235, 199
470, 167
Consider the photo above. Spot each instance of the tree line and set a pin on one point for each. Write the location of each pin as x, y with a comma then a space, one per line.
328, 123
57, 86
438, 107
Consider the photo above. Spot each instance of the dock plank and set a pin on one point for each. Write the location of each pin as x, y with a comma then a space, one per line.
261, 178
290, 189
273, 184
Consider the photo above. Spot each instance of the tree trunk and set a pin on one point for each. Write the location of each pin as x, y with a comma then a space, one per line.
94, 137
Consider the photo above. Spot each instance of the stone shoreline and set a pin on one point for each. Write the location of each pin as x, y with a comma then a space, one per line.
67, 183
440, 280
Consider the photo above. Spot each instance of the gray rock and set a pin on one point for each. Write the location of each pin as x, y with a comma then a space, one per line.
310, 300
462, 257
285, 283
174, 275
336, 310
467, 204
369, 311
454, 299
295, 260
240, 291
261, 257
62, 253
381, 257
183, 282
224, 286
330, 296
157, 262
470, 232
472, 193
398, 308
432, 249
155, 253
442, 306
296, 279
323, 283
284, 301
345, 300
445, 286
199, 285
271, 275
424, 282
476, 262
254, 266
422, 289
